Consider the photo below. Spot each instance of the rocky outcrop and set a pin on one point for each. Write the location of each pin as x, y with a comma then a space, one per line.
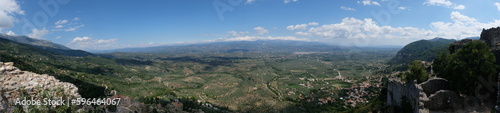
16, 85
491, 37
444, 99
433, 94
433, 85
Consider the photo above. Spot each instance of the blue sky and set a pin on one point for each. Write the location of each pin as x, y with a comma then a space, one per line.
111, 24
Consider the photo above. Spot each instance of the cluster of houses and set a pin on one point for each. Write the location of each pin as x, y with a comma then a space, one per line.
351, 96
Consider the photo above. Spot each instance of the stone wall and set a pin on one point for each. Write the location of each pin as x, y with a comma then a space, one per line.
491, 37
15, 84
434, 94
398, 91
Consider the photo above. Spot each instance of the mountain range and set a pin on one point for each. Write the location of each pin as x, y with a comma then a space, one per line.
236, 46
44, 45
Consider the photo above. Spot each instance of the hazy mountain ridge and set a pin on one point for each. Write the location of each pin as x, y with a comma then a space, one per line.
34, 42
235, 46
41, 44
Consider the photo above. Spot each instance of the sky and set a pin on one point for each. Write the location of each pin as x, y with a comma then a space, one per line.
112, 24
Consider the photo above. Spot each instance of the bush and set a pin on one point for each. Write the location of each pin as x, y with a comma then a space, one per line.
463, 68
416, 71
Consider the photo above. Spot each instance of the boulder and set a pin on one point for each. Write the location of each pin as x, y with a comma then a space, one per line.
433, 85
19, 84
444, 99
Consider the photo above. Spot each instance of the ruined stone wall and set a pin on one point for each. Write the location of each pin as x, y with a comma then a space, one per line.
491, 37
397, 91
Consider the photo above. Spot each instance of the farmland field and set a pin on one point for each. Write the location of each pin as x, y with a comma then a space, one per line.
243, 81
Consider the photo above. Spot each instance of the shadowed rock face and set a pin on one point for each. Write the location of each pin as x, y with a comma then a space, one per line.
491, 37
15, 84
444, 99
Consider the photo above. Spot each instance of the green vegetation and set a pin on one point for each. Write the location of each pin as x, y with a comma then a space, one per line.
240, 80
463, 68
424, 50
417, 72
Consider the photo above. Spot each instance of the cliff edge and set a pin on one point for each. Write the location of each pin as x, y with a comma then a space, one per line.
17, 85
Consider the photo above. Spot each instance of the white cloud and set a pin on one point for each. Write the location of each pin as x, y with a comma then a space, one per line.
38, 33
254, 38
347, 8
288, 1
403, 8
366, 31
6, 21
461, 27
369, 2
459, 18
80, 39
59, 26
106, 41
72, 25
313, 23
8, 8
297, 27
438, 2
459, 7
236, 34
249, 1
301, 26
498, 5
73, 28
367, 28
261, 30
445, 3
59, 22
91, 44
11, 33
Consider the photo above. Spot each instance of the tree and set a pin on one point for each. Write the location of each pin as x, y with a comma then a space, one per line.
463, 68
439, 64
416, 72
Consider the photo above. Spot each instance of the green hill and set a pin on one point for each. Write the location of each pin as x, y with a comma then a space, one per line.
425, 50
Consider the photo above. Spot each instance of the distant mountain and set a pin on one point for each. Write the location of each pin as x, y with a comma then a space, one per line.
34, 42
425, 50
40, 44
473, 38
237, 46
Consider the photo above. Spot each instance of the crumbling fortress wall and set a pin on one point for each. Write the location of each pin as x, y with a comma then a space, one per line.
492, 38
16, 84
399, 93
434, 94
